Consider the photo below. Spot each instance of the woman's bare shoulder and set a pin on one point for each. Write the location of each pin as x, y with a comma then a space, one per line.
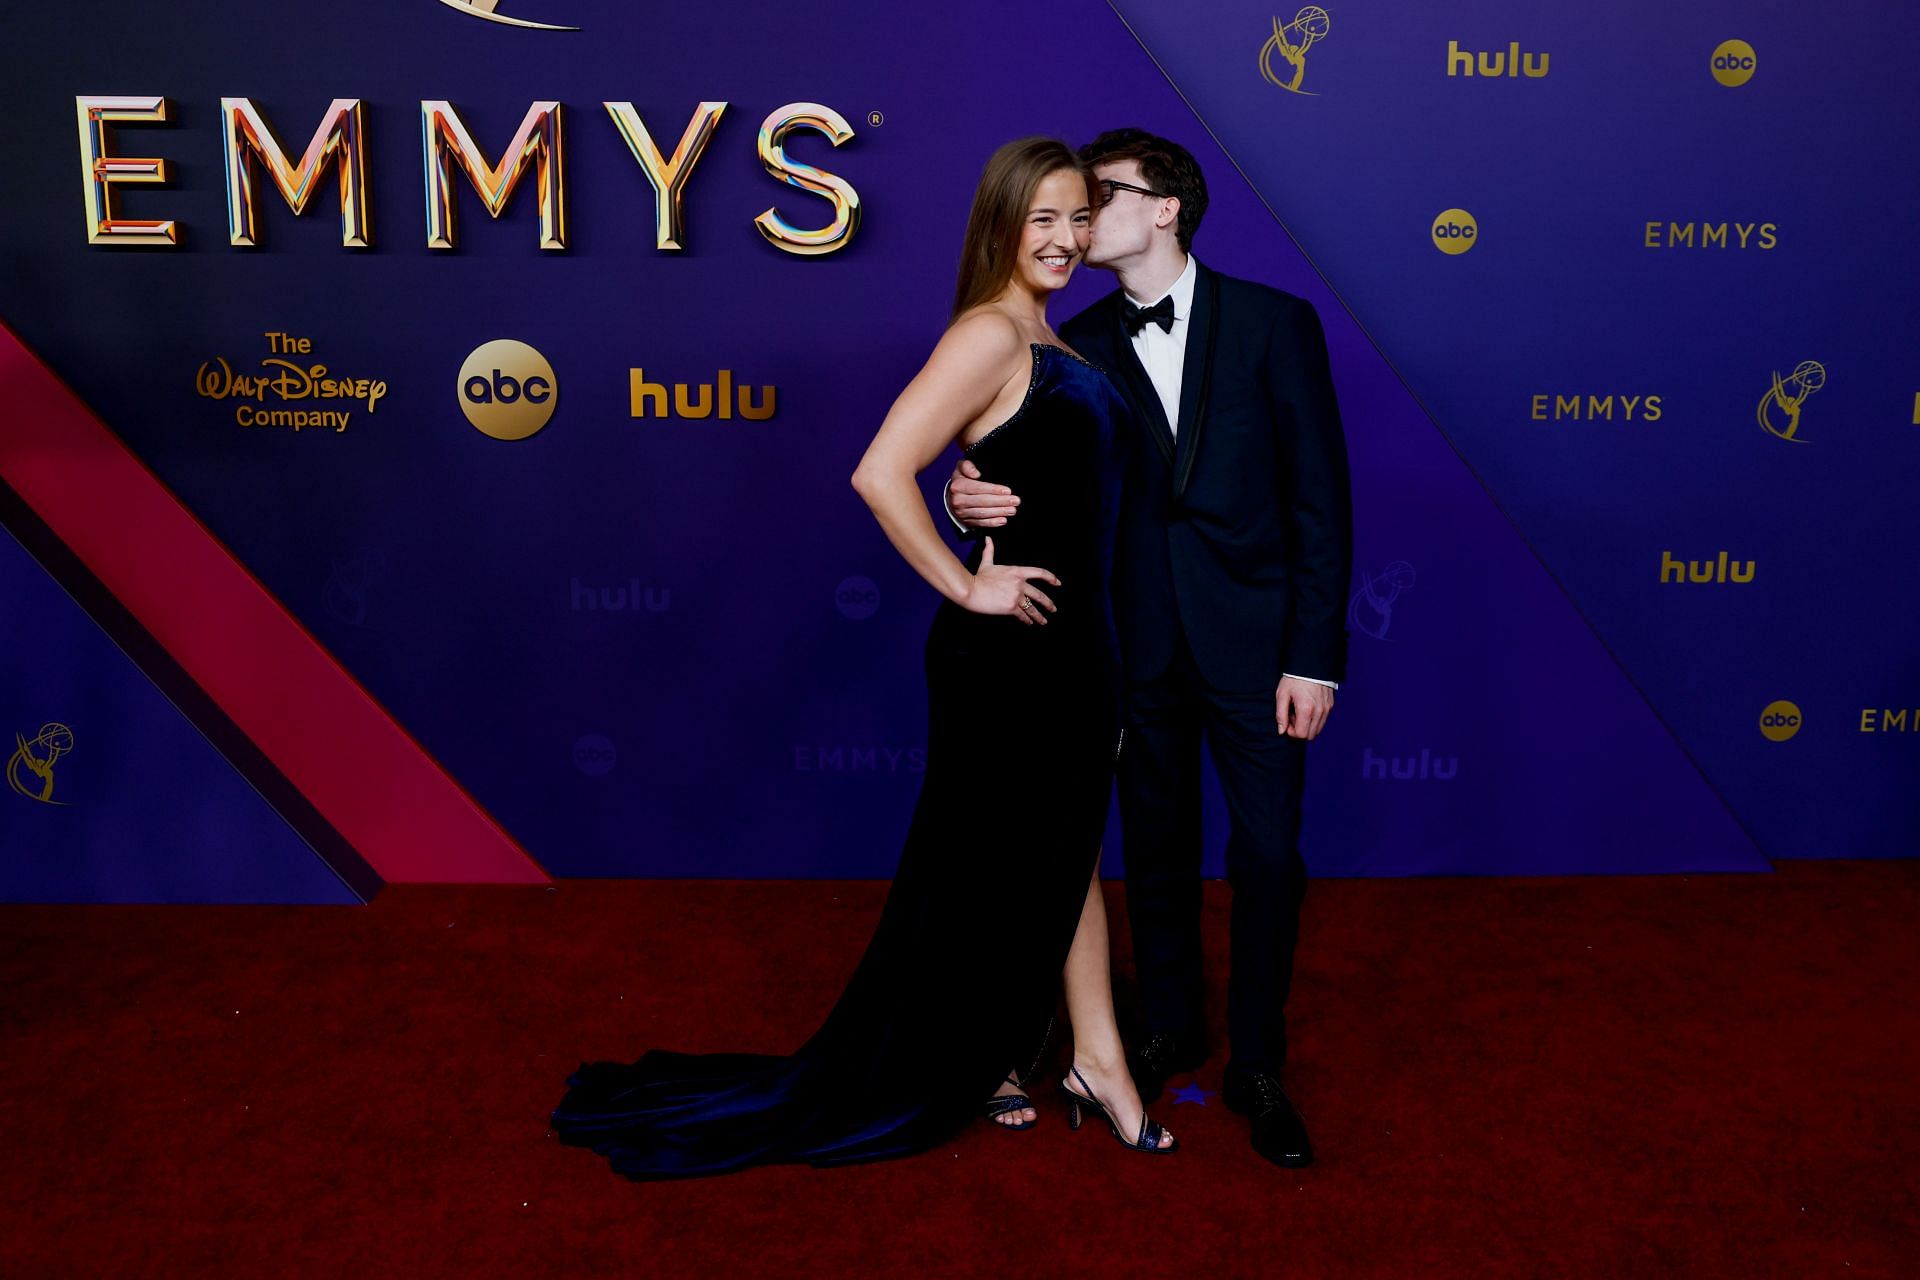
983, 336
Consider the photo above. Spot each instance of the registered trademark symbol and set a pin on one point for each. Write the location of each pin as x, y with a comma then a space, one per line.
875, 118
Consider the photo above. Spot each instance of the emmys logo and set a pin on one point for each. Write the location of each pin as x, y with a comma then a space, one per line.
506, 389
30, 767
846, 759
1511, 62
282, 379
1291, 40
1592, 408
1721, 570
643, 395
1425, 767
1779, 410
485, 9
1732, 63
1780, 721
350, 582
1370, 611
533, 157
1712, 235
1889, 720
594, 755
1455, 231
857, 598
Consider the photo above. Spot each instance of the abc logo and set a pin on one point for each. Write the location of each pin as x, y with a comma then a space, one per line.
1455, 231
593, 755
1733, 63
507, 389
1780, 721
857, 598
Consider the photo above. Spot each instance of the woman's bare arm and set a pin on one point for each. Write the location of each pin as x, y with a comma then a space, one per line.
963, 377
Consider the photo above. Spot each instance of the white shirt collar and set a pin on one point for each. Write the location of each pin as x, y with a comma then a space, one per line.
1181, 292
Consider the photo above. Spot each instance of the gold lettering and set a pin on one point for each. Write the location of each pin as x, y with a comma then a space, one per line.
762, 411
339, 137
102, 171
536, 145
669, 177
700, 408
641, 393
783, 235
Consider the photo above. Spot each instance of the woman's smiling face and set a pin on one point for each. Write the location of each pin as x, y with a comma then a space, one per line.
1053, 238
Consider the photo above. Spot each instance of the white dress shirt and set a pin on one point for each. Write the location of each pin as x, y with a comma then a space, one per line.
1163, 354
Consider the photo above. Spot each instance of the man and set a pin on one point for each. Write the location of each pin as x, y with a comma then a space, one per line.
1229, 587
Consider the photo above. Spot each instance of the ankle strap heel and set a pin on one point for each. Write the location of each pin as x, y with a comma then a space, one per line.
1149, 1137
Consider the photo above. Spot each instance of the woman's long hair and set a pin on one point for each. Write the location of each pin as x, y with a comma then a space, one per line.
1000, 206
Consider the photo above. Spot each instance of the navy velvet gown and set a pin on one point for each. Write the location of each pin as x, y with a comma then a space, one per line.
958, 984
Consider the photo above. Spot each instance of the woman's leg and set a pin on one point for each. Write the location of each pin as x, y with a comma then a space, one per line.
1097, 1052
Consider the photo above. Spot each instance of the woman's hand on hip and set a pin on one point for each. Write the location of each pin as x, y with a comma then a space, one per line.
1008, 588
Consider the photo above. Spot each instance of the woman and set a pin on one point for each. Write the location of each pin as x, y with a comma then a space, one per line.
956, 989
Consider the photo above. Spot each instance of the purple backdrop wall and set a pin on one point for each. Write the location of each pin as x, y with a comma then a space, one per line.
682, 647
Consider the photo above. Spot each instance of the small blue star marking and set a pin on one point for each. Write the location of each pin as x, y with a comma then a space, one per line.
1191, 1093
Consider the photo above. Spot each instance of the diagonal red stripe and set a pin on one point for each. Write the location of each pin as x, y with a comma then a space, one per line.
381, 790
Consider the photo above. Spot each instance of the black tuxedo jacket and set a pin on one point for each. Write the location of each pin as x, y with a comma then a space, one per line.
1236, 529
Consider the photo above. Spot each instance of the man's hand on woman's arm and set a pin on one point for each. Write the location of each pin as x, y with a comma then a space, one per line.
973, 504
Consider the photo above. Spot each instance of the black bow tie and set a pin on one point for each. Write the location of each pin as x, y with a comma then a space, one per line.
1160, 313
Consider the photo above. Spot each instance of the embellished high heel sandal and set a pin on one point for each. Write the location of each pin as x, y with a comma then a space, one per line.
1001, 1103
1149, 1139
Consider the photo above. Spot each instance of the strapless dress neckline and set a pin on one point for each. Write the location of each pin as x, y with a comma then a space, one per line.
1033, 381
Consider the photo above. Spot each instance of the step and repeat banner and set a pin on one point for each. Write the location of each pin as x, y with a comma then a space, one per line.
522, 351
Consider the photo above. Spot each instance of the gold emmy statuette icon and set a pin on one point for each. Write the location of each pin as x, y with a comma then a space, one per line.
485, 9
1291, 40
35, 760
1784, 398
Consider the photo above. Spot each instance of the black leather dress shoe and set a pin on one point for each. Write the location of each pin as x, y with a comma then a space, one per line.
1279, 1133
1160, 1057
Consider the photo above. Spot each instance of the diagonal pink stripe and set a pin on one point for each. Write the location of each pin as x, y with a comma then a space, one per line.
381, 790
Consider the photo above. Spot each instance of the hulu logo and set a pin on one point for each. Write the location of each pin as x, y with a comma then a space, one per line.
1509, 62
1718, 570
703, 400
1425, 767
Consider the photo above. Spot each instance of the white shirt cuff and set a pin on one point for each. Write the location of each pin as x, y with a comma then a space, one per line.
1331, 684
949, 510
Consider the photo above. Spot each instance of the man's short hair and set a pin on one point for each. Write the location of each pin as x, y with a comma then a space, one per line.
1166, 166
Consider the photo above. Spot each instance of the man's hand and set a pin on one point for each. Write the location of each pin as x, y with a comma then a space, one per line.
976, 503
1301, 707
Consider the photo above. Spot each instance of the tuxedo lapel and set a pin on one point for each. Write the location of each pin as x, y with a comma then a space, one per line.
1139, 385
1196, 376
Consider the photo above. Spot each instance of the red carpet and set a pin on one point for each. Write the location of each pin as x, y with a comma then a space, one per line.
1687, 1075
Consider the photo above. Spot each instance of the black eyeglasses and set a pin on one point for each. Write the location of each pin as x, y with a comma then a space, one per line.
1109, 186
